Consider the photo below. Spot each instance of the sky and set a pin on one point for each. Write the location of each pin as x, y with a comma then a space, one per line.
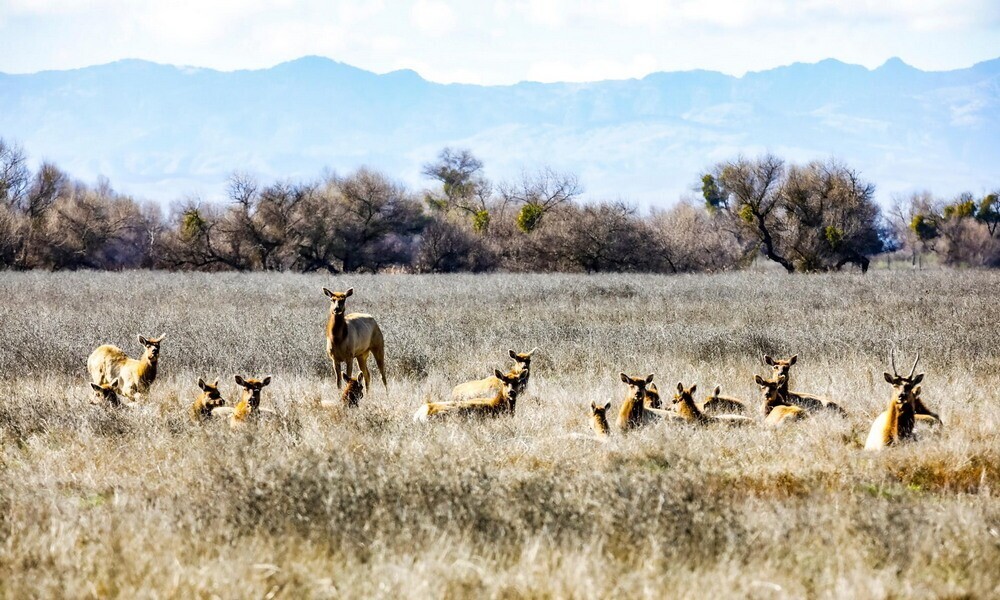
500, 41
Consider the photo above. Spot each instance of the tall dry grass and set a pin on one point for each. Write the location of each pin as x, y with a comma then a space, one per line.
143, 503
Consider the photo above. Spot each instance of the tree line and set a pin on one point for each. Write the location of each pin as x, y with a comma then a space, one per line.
814, 217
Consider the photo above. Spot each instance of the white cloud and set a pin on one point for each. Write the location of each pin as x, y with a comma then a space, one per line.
433, 17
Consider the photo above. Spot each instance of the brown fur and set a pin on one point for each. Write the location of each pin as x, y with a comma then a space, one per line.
354, 391
503, 402
106, 394
688, 411
108, 363
247, 410
351, 337
809, 402
599, 420
489, 386
718, 404
206, 402
632, 414
895, 424
776, 412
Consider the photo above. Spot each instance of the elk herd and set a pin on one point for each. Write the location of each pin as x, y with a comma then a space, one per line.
356, 336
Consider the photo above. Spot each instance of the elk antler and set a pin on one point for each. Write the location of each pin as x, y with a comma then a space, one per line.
913, 369
892, 361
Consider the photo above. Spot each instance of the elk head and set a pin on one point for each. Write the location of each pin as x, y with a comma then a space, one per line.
338, 300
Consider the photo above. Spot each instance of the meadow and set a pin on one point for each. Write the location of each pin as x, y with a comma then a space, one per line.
97, 502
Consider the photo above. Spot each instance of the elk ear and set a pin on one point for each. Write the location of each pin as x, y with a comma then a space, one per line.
116, 383
240, 381
512, 353
328, 293
768, 360
693, 388
607, 406
96, 387
918, 379
533, 350
143, 340
718, 390
649, 378
267, 381
497, 374
680, 388
625, 378
593, 406
216, 384
201, 384
791, 361
759, 380
348, 292
888, 378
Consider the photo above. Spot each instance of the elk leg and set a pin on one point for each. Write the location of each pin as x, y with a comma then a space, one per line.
349, 368
363, 365
336, 368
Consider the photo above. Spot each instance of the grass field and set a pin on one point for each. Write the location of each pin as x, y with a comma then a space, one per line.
143, 503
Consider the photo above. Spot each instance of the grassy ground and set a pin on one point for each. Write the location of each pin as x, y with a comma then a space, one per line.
142, 503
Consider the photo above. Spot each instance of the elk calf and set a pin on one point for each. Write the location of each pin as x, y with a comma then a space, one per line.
108, 363
247, 410
105, 394
809, 402
599, 420
776, 412
633, 413
208, 403
688, 411
718, 404
353, 392
503, 402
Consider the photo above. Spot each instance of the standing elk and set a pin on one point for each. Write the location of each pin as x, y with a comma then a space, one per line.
489, 386
688, 411
108, 363
895, 424
504, 402
352, 337
809, 402
776, 412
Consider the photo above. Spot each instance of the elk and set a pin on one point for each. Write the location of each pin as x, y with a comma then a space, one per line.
108, 363
489, 386
353, 336
718, 404
248, 410
809, 402
895, 424
105, 393
776, 412
688, 411
633, 413
208, 403
353, 392
599, 420
653, 400
503, 402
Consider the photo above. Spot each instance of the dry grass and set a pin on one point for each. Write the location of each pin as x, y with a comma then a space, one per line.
143, 503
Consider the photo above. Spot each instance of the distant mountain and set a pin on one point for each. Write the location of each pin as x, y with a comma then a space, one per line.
163, 132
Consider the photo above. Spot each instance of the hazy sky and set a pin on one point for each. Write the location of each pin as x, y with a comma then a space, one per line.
500, 41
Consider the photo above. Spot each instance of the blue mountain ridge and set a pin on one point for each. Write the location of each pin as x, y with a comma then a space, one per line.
165, 132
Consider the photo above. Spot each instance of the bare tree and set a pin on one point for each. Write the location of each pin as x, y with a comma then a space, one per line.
14, 174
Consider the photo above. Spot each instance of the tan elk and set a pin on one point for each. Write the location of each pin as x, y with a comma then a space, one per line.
776, 412
106, 394
247, 411
719, 404
489, 386
108, 363
208, 403
895, 424
634, 413
504, 402
599, 420
688, 411
809, 402
351, 337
